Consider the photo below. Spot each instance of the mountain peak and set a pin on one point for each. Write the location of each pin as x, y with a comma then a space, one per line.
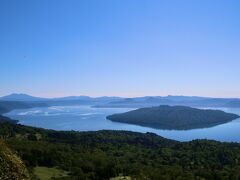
20, 97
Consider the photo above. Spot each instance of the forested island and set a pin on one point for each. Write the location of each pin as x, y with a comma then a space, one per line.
104, 154
174, 117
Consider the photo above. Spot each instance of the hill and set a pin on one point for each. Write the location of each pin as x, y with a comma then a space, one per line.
192, 101
11, 167
105, 154
136, 102
20, 97
6, 106
174, 117
68, 99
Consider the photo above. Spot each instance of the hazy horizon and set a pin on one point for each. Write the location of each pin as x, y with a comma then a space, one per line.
120, 48
67, 95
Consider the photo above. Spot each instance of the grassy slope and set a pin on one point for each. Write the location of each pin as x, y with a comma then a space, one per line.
45, 173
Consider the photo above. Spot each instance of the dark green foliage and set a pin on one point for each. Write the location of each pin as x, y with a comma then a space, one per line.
174, 117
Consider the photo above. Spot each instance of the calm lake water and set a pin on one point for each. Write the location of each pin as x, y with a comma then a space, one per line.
85, 118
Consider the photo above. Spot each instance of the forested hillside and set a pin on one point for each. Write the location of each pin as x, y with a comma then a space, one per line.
11, 166
105, 154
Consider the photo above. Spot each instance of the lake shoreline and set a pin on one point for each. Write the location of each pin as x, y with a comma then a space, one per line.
81, 118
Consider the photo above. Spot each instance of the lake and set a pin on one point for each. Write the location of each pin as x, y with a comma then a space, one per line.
86, 118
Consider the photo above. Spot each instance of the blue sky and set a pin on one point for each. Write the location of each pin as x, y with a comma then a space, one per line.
129, 48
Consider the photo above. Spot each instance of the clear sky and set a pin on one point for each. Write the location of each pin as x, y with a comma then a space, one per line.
129, 48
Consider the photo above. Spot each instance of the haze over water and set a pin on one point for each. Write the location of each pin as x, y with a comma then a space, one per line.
86, 118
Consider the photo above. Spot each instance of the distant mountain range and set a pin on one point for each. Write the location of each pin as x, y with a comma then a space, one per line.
136, 102
26, 97
192, 101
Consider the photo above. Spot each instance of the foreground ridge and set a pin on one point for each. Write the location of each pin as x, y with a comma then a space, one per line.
11, 166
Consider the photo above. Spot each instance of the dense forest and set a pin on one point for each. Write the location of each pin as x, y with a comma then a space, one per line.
105, 154
174, 117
